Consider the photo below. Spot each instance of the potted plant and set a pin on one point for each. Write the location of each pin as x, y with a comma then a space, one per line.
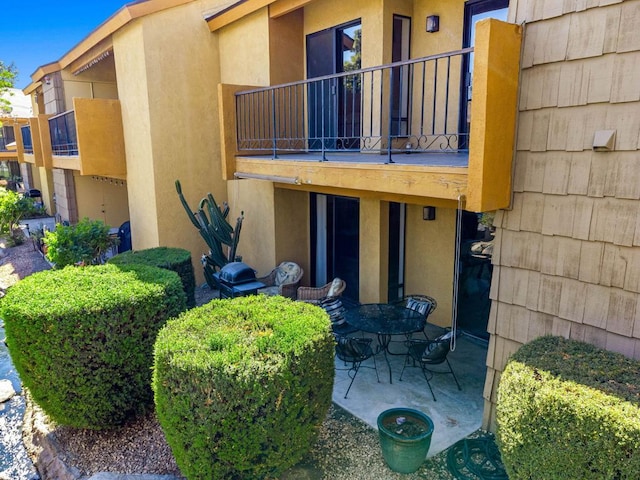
405, 438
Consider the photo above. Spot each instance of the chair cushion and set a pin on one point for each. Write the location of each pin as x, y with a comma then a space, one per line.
352, 349
333, 306
437, 350
420, 306
335, 286
275, 290
287, 272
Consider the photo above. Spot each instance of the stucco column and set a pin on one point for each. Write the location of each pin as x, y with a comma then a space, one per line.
374, 250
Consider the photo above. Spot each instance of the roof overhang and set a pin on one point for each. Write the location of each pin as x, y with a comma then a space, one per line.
226, 15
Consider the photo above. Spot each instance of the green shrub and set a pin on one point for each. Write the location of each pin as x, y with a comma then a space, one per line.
242, 385
14, 207
568, 410
176, 259
83, 243
82, 339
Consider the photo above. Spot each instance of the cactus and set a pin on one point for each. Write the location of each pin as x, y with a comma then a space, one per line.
211, 222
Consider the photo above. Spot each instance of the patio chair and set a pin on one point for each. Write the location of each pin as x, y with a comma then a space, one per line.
427, 353
354, 351
423, 304
316, 294
282, 280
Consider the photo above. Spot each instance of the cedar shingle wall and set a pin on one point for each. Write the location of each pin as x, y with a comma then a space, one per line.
567, 256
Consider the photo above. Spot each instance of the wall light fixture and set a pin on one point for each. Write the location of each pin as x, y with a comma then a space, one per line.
433, 23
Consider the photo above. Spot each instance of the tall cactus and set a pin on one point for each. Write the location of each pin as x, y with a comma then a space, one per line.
211, 222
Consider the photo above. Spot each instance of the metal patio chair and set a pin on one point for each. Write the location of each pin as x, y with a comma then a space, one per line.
354, 351
423, 304
427, 353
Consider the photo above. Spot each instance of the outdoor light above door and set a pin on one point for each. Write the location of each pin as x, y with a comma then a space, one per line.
433, 23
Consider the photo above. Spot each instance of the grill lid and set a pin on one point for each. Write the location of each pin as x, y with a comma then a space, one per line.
237, 272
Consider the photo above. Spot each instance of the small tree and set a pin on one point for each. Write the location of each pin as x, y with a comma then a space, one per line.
84, 243
14, 207
8, 74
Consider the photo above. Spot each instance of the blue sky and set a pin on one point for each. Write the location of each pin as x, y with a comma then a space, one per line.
36, 33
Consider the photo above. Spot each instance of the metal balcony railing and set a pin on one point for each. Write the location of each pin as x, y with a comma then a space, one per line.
64, 139
27, 141
409, 106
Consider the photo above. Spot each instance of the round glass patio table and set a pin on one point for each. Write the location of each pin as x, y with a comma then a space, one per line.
385, 320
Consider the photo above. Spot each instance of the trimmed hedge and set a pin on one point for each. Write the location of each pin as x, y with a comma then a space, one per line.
82, 339
568, 410
242, 385
176, 259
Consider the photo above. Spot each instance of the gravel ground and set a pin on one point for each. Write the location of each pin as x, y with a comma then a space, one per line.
346, 448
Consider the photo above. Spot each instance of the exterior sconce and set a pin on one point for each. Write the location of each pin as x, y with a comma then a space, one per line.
47, 80
428, 213
433, 23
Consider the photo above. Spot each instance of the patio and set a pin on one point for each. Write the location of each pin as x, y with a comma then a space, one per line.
456, 414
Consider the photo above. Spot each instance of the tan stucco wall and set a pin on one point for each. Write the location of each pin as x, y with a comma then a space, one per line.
449, 37
567, 254
167, 68
374, 247
258, 236
244, 50
429, 260
102, 198
287, 48
100, 137
292, 229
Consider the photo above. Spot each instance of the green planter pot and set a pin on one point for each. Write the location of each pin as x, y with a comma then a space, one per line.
405, 438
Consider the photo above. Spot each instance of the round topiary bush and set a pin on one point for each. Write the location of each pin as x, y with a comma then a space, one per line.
171, 258
82, 339
242, 385
569, 410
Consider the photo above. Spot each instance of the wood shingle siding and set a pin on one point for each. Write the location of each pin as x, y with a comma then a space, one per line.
566, 257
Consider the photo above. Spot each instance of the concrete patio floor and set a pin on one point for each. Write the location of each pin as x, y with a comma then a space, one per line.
455, 414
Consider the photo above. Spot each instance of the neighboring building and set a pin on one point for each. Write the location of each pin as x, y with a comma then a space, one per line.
12, 116
122, 115
353, 135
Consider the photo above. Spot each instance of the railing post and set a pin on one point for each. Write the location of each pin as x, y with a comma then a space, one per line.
389, 113
322, 137
275, 139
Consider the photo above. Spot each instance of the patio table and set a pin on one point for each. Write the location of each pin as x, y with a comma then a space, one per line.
385, 320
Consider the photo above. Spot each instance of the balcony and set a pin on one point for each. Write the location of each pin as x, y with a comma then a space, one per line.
64, 139
7, 141
401, 131
88, 138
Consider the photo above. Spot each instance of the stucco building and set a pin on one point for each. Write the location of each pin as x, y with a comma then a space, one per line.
355, 136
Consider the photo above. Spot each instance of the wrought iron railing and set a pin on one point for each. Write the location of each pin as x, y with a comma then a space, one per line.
410, 106
64, 139
27, 141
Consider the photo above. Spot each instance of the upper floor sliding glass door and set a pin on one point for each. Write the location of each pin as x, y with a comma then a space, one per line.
335, 103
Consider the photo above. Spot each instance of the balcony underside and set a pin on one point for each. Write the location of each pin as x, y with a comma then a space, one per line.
434, 178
